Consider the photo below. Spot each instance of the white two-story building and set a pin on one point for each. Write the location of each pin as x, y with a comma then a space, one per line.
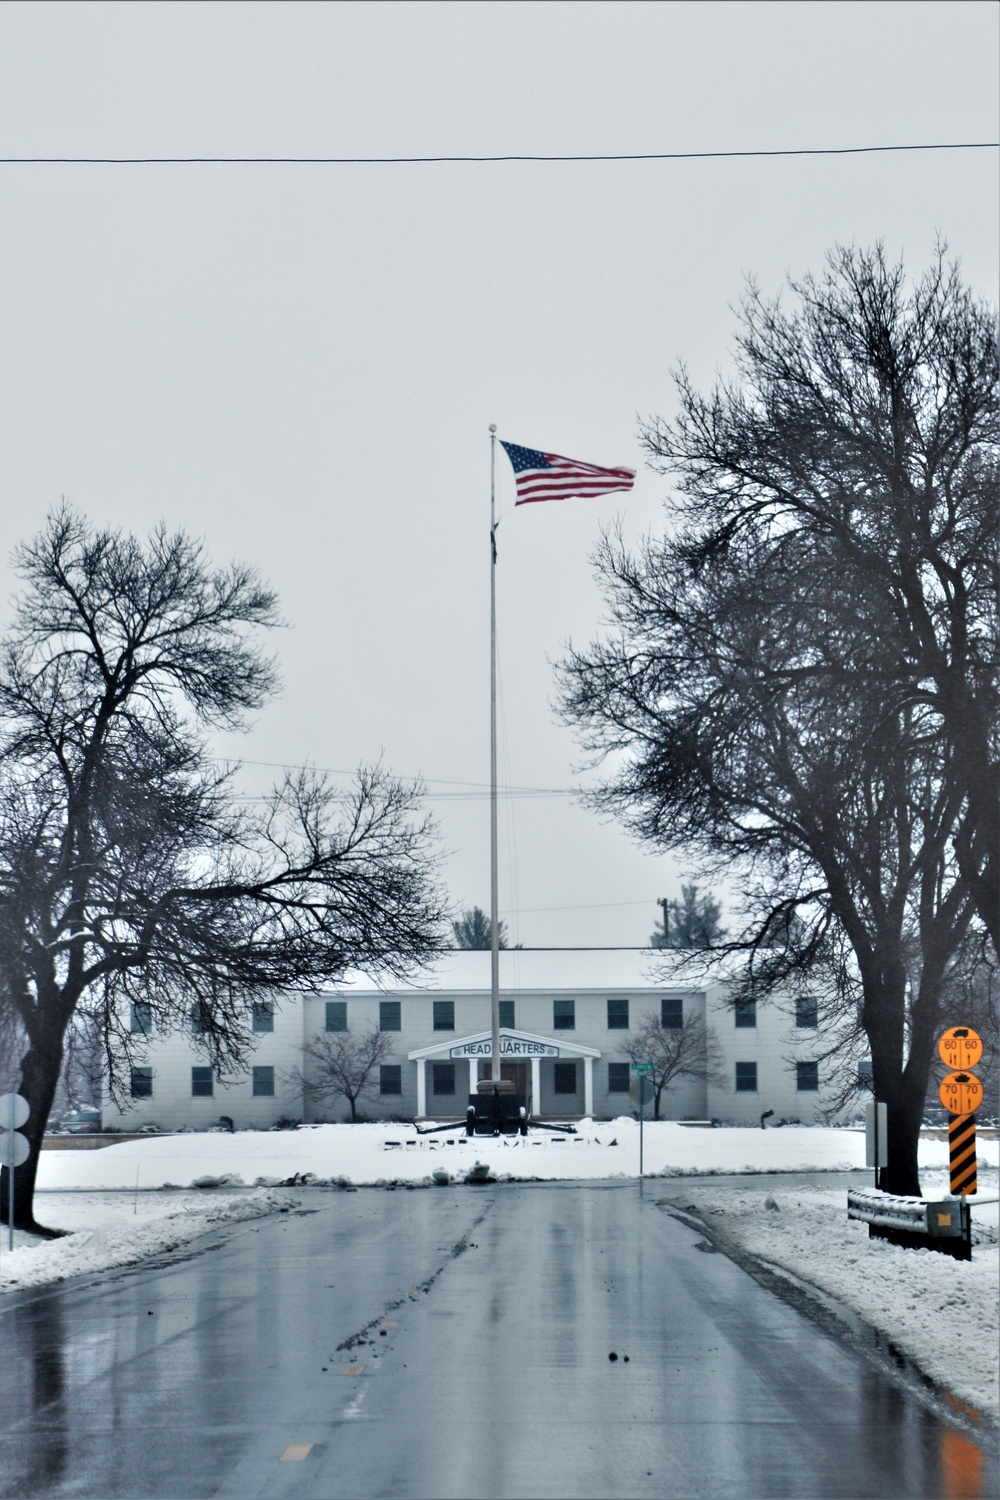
565, 1017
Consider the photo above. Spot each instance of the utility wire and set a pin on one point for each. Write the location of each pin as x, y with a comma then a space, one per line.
373, 161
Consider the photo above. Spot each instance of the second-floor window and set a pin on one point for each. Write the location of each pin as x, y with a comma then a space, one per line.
618, 1015
390, 1015
564, 1015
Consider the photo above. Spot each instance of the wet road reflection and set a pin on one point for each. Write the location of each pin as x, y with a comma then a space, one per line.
457, 1342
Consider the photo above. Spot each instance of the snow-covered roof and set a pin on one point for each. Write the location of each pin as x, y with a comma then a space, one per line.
577, 969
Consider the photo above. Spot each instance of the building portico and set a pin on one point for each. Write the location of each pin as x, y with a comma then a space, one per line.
521, 1058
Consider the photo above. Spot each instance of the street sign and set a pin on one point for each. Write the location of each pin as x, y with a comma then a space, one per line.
876, 1134
15, 1148
648, 1067
641, 1089
960, 1093
14, 1111
961, 1048
962, 1154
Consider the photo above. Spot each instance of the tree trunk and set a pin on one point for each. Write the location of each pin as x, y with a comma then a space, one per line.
352, 1101
904, 1114
40, 1070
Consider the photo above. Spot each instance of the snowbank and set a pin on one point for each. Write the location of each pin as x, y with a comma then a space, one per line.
368, 1154
115, 1229
942, 1313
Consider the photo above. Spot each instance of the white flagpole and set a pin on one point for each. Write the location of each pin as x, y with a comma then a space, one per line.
494, 882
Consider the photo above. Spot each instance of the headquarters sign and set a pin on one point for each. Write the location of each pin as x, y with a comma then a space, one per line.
510, 1046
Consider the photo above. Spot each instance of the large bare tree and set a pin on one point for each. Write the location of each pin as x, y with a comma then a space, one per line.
777, 687
131, 871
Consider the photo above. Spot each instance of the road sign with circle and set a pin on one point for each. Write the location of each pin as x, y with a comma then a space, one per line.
961, 1048
15, 1149
641, 1089
14, 1111
960, 1093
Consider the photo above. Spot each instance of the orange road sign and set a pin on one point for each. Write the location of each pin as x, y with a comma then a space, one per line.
960, 1093
961, 1048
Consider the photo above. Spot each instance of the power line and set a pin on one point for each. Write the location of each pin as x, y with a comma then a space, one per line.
379, 161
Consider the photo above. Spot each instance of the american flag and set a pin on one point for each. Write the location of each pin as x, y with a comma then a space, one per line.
549, 476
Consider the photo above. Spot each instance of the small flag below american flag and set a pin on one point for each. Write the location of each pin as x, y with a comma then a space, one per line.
549, 476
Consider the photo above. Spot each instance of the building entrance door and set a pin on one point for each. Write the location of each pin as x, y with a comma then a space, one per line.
519, 1074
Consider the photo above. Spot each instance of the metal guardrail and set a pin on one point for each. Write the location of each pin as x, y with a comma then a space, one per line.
943, 1225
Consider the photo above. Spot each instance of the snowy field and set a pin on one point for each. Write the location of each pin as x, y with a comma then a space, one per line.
376, 1154
124, 1202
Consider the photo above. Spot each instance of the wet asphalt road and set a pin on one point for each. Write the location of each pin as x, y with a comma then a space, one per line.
455, 1342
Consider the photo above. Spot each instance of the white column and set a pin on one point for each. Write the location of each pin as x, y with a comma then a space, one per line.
536, 1085
421, 1087
588, 1085
473, 1074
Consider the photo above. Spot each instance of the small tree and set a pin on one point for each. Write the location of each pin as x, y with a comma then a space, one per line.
341, 1065
692, 922
687, 1051
474, 930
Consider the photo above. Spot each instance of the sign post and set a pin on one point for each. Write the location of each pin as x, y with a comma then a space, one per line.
960, 1091
14, 1111
876, 1136
641, 1089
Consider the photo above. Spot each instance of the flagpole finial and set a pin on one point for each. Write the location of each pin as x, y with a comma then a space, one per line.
493, 427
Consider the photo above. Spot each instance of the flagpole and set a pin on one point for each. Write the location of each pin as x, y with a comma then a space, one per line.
494, 881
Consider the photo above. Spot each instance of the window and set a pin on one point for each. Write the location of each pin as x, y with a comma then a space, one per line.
263, 1083
141, 1019
444, 1015
564, 1015
565, 1074
263, 1015
746, 1078
617, 1078
201, 1083
806, 1011
443, 1078
142, 1083
200, 1017
745, 1014
389, 1015
671, 1014
336, 1015
390, 1078
618, 1015
807, 1077
507, 1014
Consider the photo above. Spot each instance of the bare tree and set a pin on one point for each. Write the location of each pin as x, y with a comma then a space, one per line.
675, 1052
774, 686
342, 1065
131, 873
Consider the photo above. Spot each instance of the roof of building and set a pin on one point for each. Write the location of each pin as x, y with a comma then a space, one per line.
576, 969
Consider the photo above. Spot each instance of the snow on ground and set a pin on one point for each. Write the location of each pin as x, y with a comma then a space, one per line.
944, 1314
117, 1229
370, 1154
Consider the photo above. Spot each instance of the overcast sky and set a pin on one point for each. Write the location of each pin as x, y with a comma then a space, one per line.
300, 363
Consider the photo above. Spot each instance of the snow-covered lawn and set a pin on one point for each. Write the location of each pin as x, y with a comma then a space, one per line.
369, 1154
944, 1314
